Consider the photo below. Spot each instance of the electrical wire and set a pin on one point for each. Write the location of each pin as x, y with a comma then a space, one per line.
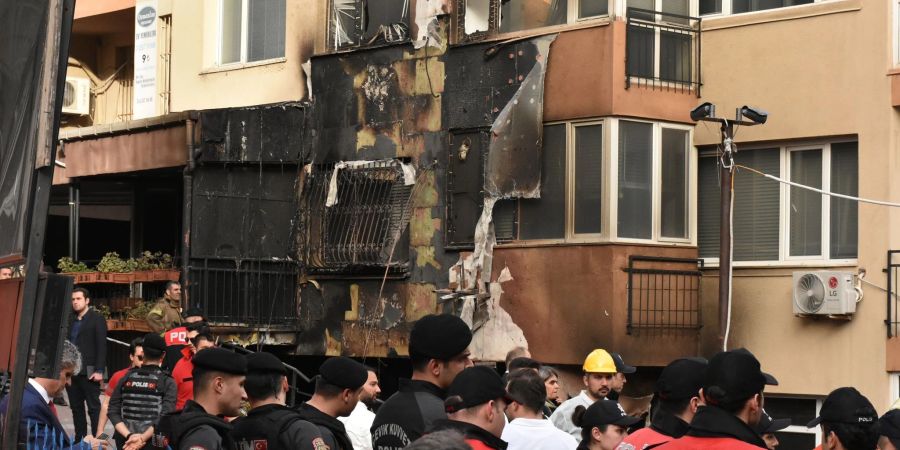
730, 264
820, 191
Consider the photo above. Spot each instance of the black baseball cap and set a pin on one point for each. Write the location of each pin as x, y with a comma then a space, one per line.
439, 336
607, 412
734, 375
768, 425
472, 387
682, 379
621, 367
845, 405
153, 342
889, 426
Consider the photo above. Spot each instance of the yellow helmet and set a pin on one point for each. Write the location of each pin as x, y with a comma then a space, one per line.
599, 361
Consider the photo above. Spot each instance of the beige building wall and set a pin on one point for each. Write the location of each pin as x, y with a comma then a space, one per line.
819, 70
197, 83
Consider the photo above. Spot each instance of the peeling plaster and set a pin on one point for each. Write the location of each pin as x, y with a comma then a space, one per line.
420, 302
426, 194
422, 227
353, 314
499, 333
425, 257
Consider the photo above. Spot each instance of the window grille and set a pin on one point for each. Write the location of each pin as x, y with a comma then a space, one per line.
366, 227
663, 293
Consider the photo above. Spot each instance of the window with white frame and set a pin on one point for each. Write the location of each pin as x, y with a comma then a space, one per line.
727, 7
660, 40
801, 410
521, 15
251, 30
776, 222
649, 173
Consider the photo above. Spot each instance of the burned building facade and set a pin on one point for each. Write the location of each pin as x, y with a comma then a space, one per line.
525, 165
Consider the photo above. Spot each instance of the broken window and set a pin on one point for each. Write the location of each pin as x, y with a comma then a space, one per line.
468, 153
356, 215
478, 16
363, 22
517, 15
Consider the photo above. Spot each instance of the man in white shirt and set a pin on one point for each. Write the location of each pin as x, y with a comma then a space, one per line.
527, 428
359, 422
599, 373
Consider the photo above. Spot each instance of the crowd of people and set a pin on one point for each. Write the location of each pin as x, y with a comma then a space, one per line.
182, 392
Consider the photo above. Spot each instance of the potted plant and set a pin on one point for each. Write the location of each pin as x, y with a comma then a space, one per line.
113, 269
78, 270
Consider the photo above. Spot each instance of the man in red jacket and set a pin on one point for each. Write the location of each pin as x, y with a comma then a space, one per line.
475, 405
182, 371
733, 395
677, 398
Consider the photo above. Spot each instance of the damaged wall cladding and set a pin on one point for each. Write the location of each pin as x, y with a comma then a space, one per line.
243, 210
405, 103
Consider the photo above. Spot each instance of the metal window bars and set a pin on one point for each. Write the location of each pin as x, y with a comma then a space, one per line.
664, 296
893, 315
363, 227
662, 51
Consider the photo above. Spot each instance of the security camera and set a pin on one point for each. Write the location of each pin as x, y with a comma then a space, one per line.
705, 110
756, 115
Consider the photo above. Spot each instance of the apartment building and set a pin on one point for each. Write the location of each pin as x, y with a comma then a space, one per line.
530, 165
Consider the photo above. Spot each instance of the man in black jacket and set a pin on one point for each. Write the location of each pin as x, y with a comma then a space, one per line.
475, 404
438, 351
338, 387
88, 333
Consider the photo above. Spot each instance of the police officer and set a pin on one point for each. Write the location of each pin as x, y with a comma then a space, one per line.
475, 404
142, 396
619, 380
337, 391
270, 424
218, 391
438, 351
767, 428
889, 430
733, 398
848, 421
599, 375
677, 396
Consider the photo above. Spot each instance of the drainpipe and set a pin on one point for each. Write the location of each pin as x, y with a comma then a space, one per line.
187, 194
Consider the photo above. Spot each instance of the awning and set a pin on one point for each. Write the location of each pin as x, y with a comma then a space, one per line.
132, 146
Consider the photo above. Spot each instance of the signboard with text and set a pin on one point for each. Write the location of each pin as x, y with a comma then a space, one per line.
145, 59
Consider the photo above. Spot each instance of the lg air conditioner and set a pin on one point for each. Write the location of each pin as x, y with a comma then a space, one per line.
825, 293
77, 97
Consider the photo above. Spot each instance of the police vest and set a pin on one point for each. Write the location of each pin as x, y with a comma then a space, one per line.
173, 426
263, 432
142, 397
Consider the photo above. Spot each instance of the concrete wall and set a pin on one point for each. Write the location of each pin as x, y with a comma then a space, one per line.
198, 84
820, 71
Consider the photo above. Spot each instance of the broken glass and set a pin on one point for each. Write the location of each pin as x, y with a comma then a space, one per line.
517, 15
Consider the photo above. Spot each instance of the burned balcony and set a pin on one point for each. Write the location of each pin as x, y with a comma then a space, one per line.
663, 50
355, 216
360, 23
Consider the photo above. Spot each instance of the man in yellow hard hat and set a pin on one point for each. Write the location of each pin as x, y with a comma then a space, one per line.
599, 371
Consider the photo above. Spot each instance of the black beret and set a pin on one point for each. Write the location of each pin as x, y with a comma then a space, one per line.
221, 360
439, 336
193, 312
262, 362
154, 343
344, 372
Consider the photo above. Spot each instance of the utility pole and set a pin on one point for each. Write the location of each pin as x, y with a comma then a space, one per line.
707, 112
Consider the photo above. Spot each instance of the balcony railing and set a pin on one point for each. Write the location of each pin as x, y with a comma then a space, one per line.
663, 293
893, 284
662, 51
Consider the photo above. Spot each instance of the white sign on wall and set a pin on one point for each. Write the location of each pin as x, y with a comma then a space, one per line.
145, 59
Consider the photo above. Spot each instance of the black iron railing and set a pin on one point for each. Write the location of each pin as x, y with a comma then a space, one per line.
662, 51
355, 217
893, 283
663, 293
244, 292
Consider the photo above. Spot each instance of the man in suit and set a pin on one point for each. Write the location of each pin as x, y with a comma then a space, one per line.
38, 425
88, 333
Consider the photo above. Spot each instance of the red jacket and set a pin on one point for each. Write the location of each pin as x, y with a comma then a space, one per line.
707, 443
183, 378
642, 439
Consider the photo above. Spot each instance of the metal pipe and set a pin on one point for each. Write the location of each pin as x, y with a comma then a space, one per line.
725, 189
187, 197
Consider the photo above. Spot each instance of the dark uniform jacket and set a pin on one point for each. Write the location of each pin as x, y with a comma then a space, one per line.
664, 428
715, 429
477, 437
333, 432
142, 396
193, 428
276, 427
405, 416
91, 342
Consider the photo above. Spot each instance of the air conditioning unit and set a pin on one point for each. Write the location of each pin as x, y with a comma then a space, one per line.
77, 97
824, 293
